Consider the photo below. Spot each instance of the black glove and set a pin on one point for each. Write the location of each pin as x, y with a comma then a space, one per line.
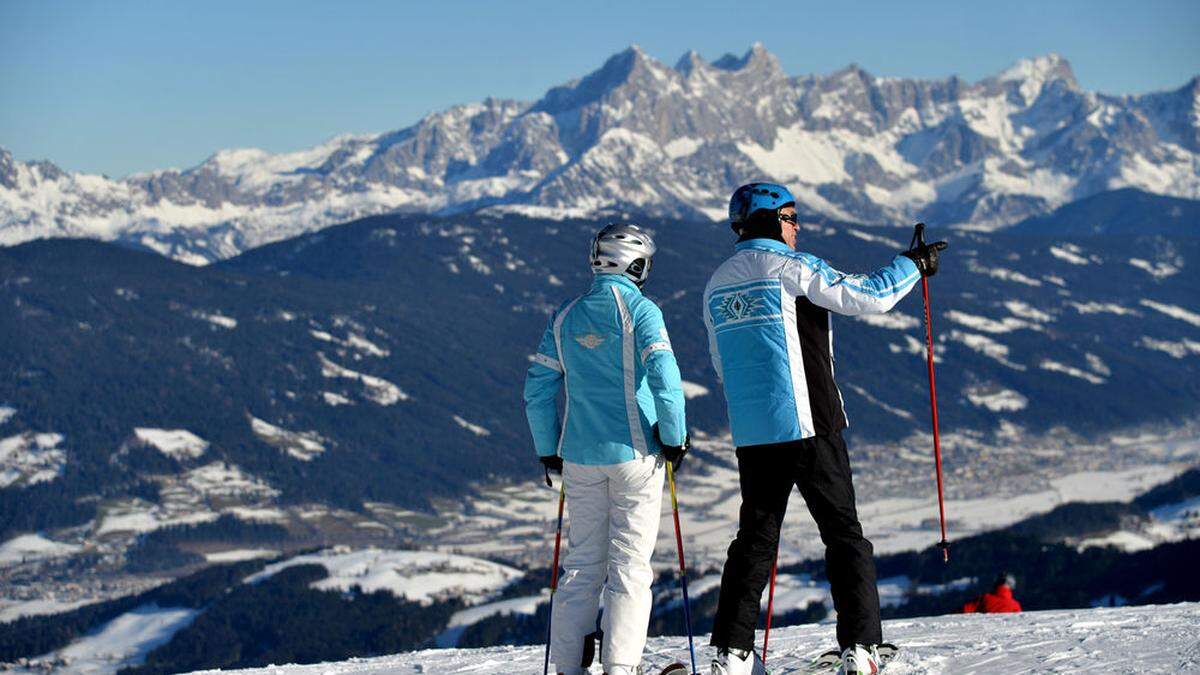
551, 463
925, 256
672, 453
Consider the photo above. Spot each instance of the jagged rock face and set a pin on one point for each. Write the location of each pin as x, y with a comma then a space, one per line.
637, 135
8, 170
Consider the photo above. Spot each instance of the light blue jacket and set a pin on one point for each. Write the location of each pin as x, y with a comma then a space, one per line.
771, 352
610, 350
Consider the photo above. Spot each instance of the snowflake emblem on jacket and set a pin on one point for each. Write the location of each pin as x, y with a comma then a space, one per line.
739, 305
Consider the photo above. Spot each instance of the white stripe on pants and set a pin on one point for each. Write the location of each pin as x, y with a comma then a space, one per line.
614, 511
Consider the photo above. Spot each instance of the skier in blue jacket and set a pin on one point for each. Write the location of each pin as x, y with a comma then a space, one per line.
624, 416
768, 313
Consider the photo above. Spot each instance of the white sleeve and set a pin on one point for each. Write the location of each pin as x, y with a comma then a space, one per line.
713, 352
849, 294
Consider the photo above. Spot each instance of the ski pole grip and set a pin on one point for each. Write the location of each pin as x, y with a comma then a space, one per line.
918, 238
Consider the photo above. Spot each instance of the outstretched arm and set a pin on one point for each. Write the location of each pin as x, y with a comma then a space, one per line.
850, 294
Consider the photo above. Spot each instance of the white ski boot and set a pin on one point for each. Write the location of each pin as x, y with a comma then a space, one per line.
860, 660
733, 662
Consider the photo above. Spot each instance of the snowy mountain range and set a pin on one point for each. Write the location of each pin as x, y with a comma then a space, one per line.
640, 136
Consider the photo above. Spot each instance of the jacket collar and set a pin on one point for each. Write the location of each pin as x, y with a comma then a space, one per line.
772, 244
604, 280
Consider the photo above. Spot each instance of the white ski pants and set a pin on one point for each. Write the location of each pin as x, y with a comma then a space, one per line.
615, 511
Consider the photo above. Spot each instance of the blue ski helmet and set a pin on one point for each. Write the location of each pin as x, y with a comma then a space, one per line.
753, 197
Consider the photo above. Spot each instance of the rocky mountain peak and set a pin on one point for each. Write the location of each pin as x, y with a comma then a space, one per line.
619, 70
8, 169
756, 60
690, 63
1033, 74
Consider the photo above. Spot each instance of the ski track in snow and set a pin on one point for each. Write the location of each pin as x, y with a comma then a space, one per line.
1150, 639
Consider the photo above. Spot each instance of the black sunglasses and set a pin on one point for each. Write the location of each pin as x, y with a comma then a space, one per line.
789, 218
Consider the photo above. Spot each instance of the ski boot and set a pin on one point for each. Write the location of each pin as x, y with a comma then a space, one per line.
733, 662
860, 660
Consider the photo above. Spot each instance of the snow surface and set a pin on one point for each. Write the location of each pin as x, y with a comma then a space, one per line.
6, 413
240, 554
334, 399
1173, 311
470, 426
11, 611
1069, 253
419, 576
996, 399
375, 389
1102, 308
1177, 349
190, 498
30, 458
1148, 639
894, 320
1055, 366
1158, 270
302, 445
693, 390
459, 622
177, 443
33, 546
353, 341
122, 642
216, 318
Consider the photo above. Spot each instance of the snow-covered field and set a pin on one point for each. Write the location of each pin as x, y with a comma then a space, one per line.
418, 576
1151, 639
124, 641
516, 521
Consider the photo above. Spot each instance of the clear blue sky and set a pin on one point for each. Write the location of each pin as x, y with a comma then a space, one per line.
116, 87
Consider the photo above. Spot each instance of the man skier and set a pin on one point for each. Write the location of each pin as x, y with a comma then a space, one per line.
624, 415
767, 310
999, 601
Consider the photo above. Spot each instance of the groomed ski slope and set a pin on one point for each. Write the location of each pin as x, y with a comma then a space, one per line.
1149, 639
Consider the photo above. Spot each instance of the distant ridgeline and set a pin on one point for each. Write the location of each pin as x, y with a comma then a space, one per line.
382, 360
282, 619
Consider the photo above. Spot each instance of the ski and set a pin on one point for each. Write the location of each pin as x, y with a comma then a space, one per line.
674, 669
827, 662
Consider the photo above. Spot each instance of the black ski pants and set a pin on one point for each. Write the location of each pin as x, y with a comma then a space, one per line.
820, 467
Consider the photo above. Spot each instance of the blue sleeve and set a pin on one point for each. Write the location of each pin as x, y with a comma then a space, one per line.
662, 372
542, 383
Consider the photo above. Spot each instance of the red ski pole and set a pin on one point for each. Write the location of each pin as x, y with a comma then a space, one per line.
687, 610
562, 497
919, 239
770, 607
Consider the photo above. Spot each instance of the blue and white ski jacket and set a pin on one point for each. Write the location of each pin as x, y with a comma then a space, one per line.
771, 337
609, 348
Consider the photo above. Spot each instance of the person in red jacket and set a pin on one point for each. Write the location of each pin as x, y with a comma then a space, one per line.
1000, 600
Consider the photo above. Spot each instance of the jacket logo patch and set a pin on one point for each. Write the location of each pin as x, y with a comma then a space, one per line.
740, 305
590, 340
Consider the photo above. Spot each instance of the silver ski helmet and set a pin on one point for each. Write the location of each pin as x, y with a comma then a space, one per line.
623, 249
751, 198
